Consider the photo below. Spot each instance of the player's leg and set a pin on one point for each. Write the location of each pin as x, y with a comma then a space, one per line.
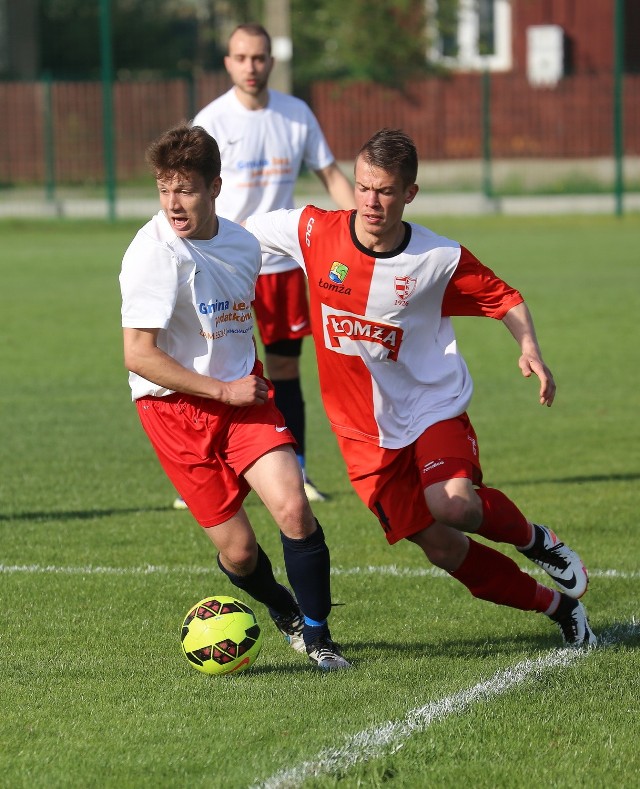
282, 364
275, 476
448, 457
247, 566
282, 315
182, 431
490, 575
502, 521
389, 482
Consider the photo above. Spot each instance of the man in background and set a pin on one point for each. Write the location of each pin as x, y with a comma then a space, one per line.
265, 139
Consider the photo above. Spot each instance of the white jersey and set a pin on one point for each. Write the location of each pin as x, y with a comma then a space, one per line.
388, 361
198, 293
262, 152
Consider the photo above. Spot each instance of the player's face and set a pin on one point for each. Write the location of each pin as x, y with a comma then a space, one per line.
380, 200
249, 64
189, 204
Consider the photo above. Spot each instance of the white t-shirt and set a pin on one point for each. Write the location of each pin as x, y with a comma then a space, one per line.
388, 361
198, 293
262, 152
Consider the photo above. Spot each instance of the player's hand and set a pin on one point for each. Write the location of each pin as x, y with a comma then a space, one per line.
532, 364
251, 390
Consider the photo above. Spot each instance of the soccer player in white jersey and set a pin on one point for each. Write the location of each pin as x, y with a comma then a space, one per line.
265, 138
396, 388
187, 283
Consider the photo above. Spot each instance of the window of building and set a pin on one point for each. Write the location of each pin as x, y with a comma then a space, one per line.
471, 34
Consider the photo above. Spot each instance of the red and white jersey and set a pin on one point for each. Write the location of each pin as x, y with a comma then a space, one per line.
388, 361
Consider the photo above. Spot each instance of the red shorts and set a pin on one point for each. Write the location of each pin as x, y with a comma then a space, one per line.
204, 446
282, 307
391, 482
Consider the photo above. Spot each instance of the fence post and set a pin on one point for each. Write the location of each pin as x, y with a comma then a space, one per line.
487, 181
107, 105
49, 141
192, 109
618, 55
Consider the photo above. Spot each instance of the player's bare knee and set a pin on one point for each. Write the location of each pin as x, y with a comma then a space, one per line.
294, 517
240, 559
446, 552
458, 512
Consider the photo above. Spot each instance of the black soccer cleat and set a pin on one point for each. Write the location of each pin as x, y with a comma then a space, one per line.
571, 618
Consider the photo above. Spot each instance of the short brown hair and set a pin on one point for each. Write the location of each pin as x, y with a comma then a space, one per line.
185, 149
252, 29
392, 151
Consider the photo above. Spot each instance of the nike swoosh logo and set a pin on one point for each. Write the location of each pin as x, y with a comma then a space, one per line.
298, 326
568, 583
280, 429
233, 142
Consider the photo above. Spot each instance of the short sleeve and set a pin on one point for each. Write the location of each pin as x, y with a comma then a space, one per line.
148, 283
474, 290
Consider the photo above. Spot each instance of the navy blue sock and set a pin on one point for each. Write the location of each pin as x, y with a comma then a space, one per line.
262, 586
289, 400
307, 563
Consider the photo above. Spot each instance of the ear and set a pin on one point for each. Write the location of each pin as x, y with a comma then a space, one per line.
216, 186
410, 193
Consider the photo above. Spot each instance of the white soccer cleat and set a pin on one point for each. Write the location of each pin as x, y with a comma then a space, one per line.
558, 561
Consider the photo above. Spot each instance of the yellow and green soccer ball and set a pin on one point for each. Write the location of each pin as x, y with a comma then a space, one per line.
221, 635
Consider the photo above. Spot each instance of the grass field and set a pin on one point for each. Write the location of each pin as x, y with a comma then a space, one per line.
97, 570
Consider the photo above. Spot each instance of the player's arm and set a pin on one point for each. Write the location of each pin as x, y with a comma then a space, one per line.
143, 357
475, 290
337, 185
520, 323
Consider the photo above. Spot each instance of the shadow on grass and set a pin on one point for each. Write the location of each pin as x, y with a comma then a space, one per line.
79, 515
579, 480
360, 653
610, 636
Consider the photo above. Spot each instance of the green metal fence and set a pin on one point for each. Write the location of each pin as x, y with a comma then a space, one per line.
78, 147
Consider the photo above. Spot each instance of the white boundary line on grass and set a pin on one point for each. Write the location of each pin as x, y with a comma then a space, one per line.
389, 737
158, 569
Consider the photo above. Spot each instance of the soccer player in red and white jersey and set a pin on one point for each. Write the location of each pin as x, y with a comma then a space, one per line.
396, 388
266, 137
187, 282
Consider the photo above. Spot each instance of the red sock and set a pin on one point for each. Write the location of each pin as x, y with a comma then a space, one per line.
502, 521
490, 575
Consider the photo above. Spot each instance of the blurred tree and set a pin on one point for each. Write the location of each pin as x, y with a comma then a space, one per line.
149, 36
384, 41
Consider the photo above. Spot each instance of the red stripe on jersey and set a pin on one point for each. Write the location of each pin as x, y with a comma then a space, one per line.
476, 291
339, 277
